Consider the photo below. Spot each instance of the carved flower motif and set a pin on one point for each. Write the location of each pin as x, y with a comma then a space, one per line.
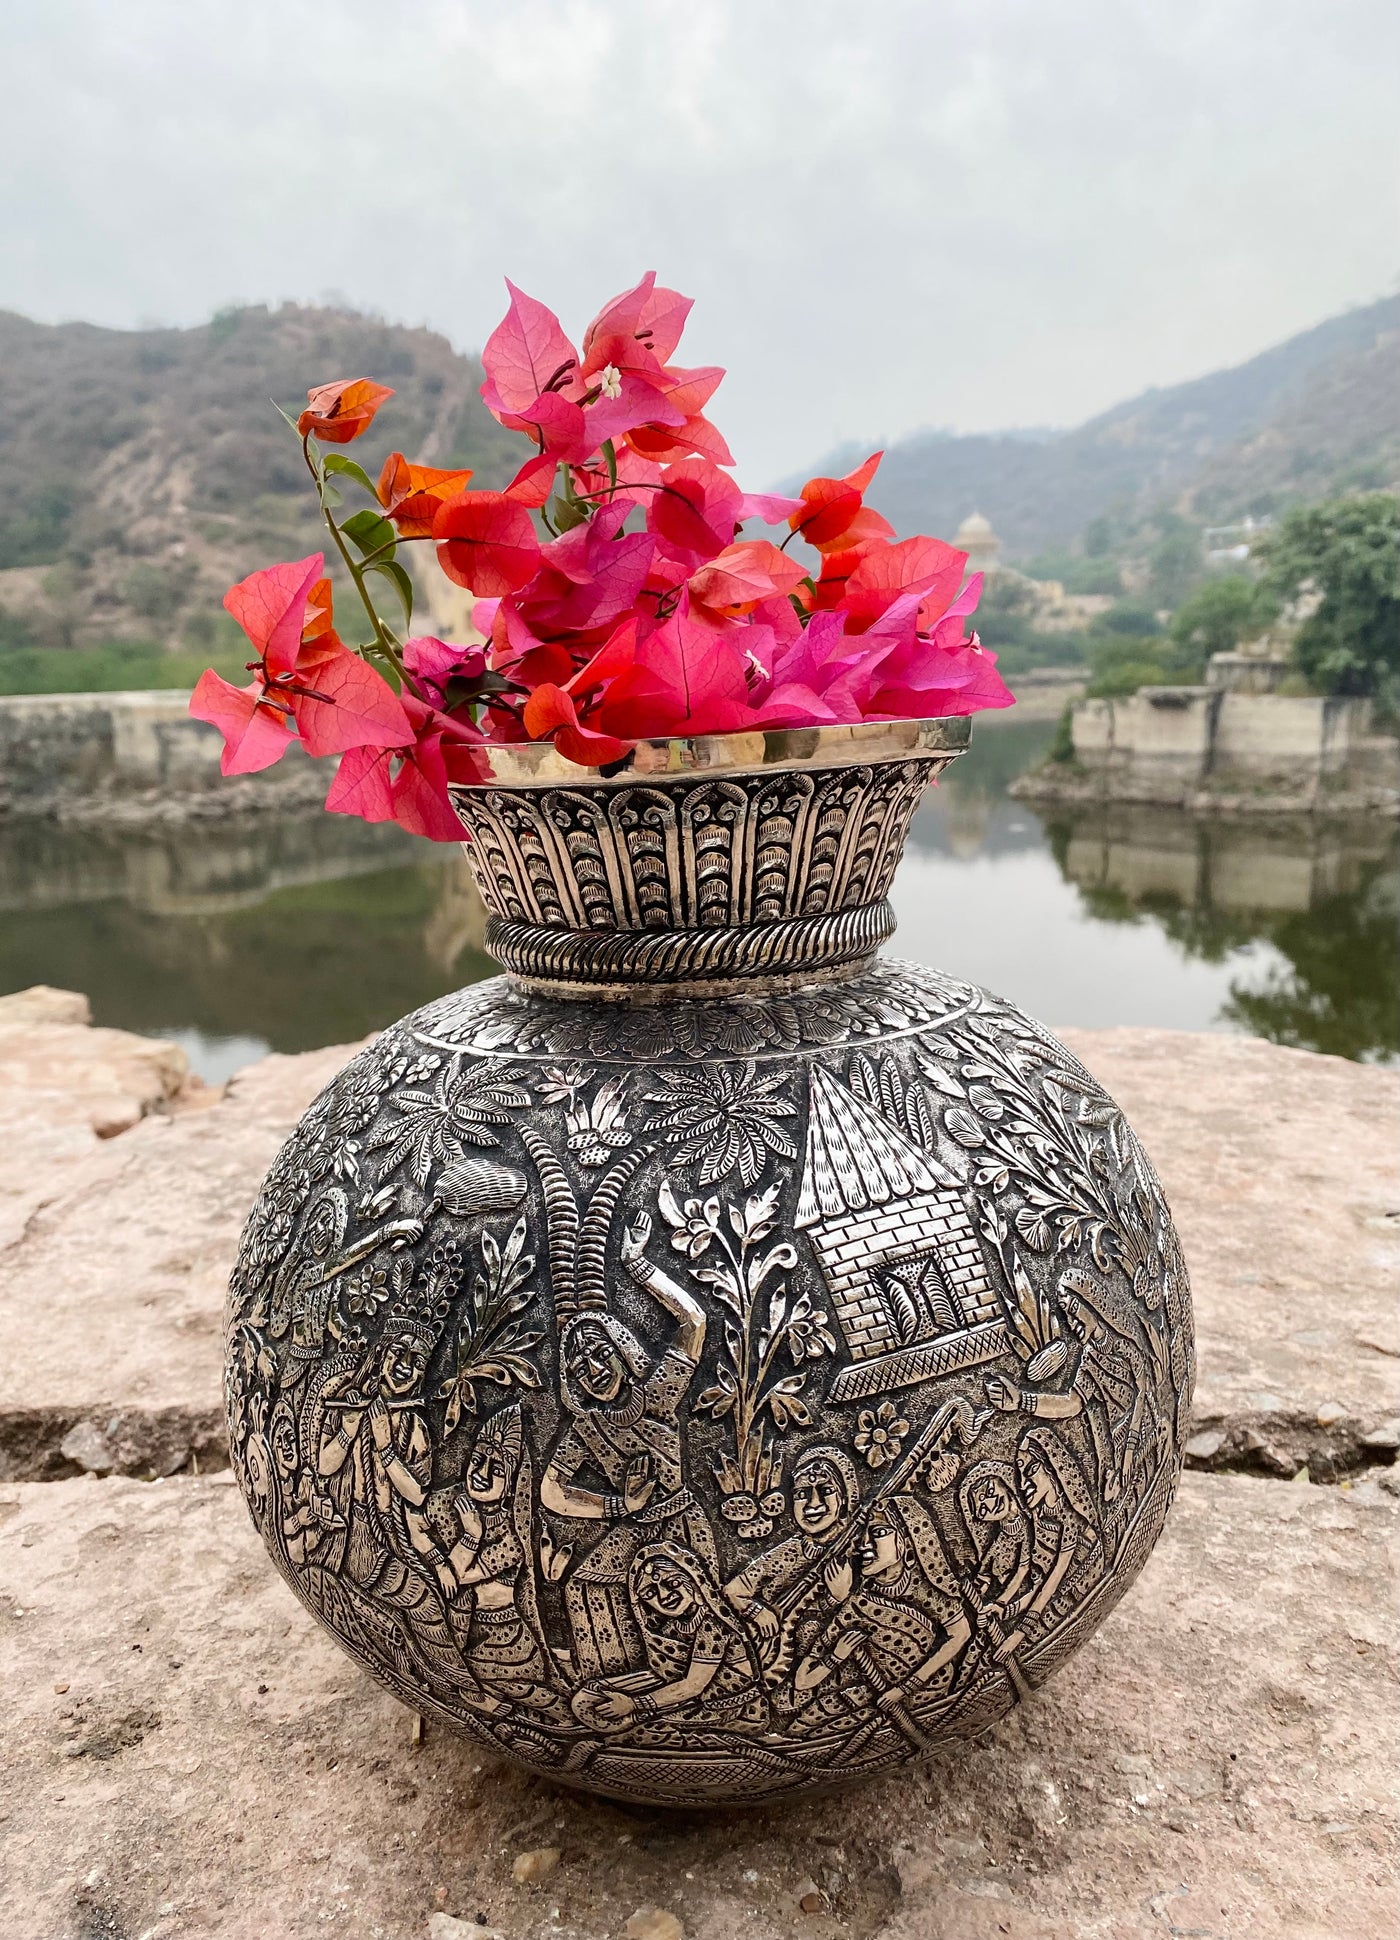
724, 1118
880, 1434
693, 1223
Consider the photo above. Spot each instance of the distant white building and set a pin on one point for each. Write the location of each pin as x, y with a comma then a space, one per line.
976, 538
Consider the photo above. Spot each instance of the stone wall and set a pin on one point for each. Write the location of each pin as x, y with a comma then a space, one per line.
1162, 743
57, 749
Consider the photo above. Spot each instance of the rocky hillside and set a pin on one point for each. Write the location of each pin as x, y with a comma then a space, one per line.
1313, 416
142, 471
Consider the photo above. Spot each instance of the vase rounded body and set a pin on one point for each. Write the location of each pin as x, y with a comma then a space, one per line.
713, 1361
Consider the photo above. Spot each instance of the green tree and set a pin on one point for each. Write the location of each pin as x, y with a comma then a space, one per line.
1346, 554
1216, 617
1176, 564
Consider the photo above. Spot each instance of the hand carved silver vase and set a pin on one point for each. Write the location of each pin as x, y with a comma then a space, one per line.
710, 1362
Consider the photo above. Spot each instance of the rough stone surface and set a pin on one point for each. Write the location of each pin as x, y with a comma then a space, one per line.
183, 1752
114, 1253
66, 1088
1283, 1173
1217, 1759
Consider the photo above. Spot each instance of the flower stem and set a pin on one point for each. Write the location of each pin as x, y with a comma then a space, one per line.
384, 641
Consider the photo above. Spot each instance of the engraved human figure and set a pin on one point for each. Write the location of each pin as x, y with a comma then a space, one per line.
896, 1633
781, 1593
1110, 1385
393, 1555
996, 1521
1063, 1514
494, 1612
307, 1517
698, 1663
625, 1427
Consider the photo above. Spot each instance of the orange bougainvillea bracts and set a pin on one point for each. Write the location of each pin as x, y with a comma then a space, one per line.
337, 413
413, 495
624, 586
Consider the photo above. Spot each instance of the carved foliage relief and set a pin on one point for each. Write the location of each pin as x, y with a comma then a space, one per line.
715, 1402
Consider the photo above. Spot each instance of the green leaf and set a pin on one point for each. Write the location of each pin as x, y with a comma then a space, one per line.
369, 532
567, 513
336, 461
330, 496
401, 582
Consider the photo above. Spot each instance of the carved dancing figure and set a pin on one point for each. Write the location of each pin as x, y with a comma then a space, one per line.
1063, 1513
393, 1556
781, 1593
698, 1663
305, 1283
625, 1427
494, 1610
997, 1524
895, 1635
1111, 1386
307, 1518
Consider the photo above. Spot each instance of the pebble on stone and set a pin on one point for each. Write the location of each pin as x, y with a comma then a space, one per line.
528, 1867
654, 1923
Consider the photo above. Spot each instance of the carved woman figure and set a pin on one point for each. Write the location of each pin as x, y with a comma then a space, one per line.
393, 1555
997, 1524
1063, 1513
895, 1635
782, 1593
1111, 1385
494, 1610
307, 1519
698, 1663
625, 1428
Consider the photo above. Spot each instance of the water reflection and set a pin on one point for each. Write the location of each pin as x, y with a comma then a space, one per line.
289, 933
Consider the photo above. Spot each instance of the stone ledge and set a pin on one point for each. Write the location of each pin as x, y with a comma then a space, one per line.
186, 1754
1279, 1166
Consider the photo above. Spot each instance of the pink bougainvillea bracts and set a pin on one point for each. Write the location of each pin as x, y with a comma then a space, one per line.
624, 590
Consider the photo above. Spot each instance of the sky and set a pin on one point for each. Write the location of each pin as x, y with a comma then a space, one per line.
907, 214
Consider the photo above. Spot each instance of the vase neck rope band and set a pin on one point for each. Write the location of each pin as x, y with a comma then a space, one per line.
659, 965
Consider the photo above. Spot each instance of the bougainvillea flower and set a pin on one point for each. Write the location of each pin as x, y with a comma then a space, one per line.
699, 509
270, 606
884, 572
337, 413
695, 438
256, 731
527, 356
487, 542
736, 580
602, 636
411, 494
433, 662
687, 678
408, 784
534, 482
589, 575
831, 514
304, 675
650, 318
551, 713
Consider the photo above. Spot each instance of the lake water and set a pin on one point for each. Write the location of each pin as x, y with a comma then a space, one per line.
286, 934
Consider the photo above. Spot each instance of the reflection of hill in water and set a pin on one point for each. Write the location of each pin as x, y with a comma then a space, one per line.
1324, 895
303, 931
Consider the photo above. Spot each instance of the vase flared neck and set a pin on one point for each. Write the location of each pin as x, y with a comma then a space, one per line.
702, 879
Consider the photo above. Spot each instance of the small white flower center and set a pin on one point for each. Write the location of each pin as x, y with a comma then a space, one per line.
610, 381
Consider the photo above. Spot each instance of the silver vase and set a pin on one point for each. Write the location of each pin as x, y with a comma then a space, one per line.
711, 1361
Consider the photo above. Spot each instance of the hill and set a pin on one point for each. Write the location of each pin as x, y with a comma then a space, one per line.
142, 471
1315, 415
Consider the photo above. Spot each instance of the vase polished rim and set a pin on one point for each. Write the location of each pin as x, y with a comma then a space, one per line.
522, 764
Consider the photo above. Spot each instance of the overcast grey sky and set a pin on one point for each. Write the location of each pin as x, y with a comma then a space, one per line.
894, 214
